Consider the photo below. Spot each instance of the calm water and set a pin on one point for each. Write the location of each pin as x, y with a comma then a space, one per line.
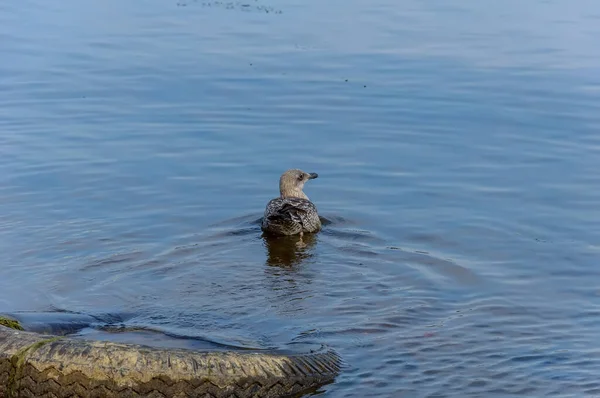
458, 150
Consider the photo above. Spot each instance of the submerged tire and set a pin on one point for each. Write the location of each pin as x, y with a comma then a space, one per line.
36, 365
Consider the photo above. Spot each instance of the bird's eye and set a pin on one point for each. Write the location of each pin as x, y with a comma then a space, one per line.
301, 177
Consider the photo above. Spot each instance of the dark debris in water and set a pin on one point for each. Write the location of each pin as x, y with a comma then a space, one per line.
246, 6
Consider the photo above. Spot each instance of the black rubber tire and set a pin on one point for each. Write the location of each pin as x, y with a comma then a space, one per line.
36, 365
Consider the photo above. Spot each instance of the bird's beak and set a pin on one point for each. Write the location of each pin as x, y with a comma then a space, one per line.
312, 176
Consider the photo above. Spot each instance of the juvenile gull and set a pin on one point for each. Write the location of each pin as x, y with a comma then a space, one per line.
292, 212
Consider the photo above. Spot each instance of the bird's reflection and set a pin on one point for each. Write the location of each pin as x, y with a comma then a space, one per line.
289, 251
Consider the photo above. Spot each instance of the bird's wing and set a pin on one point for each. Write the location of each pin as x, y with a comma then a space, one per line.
291, 209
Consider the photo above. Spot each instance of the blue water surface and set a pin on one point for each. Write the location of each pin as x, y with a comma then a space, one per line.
457, 147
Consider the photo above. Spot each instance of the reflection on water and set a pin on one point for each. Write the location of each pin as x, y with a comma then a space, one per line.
288, 251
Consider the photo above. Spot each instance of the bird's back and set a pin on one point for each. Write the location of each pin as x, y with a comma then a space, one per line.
290, 216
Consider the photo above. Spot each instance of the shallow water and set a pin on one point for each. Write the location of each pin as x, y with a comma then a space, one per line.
457, 149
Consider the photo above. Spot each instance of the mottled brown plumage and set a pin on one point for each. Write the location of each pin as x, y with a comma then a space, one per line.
292, 212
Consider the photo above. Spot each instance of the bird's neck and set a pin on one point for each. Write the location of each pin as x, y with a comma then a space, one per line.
293, 193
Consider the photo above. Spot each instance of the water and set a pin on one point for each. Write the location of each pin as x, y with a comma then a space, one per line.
457, 148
